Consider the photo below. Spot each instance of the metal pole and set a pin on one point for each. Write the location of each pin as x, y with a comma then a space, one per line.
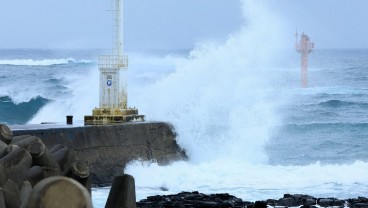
117, 24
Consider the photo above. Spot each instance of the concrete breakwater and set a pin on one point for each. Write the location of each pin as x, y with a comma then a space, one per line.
107, 149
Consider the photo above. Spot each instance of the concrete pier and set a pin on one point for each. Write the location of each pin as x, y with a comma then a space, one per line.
107, 149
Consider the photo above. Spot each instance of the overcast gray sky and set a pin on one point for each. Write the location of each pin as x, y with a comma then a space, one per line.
171, 24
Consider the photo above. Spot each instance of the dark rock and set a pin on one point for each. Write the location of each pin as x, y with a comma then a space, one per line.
287, 202
206, 204
227, 204
308, 206
196, 200
360, 205
310, 202
327, 202
271, 202
260, 204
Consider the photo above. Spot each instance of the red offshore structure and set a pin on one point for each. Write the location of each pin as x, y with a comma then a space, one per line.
304, 47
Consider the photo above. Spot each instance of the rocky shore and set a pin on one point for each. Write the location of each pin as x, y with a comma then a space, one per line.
200, 200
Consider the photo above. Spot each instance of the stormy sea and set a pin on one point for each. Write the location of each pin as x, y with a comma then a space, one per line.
248, 127
250, 131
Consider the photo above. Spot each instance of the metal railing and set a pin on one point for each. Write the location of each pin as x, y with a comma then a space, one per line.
113, 61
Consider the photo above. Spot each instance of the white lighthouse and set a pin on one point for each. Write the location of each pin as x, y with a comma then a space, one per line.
113, 83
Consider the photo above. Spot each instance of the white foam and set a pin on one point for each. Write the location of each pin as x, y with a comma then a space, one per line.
82, 99
253, 182
220, 99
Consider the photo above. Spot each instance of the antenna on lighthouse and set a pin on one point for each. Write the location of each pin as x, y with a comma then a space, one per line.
118, 31
113, 82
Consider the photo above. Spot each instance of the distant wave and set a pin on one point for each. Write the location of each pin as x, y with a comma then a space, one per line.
19, 113
340, 103
326, 127
42, 62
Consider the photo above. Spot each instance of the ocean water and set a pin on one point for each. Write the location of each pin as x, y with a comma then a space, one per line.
236, 104
245, 135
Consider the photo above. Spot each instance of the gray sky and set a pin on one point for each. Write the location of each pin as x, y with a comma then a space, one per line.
170, 24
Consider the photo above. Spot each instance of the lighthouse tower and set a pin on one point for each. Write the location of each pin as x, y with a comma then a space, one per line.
113, 102
113, 68
304, 48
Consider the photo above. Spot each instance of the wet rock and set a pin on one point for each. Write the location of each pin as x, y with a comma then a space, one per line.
197, 200
287, 202
328, 202
358, 202
260, 204
360, 205
292, 200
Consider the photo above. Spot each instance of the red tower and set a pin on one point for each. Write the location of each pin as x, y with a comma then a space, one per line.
304, 47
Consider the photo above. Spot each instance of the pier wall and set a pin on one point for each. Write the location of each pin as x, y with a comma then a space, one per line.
107, 149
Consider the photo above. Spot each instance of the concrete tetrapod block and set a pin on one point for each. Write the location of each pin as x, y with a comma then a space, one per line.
3, 149
25, 190
59, 192
79, 171
15, 164
2, 199
6, 135
42, 157
122, 192
64, 156
11, 194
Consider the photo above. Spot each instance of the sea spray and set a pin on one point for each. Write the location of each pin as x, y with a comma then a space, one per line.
221, 100
224, 102
80, 101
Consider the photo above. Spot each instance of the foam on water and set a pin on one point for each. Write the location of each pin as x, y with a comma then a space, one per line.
43, 62
253, 182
